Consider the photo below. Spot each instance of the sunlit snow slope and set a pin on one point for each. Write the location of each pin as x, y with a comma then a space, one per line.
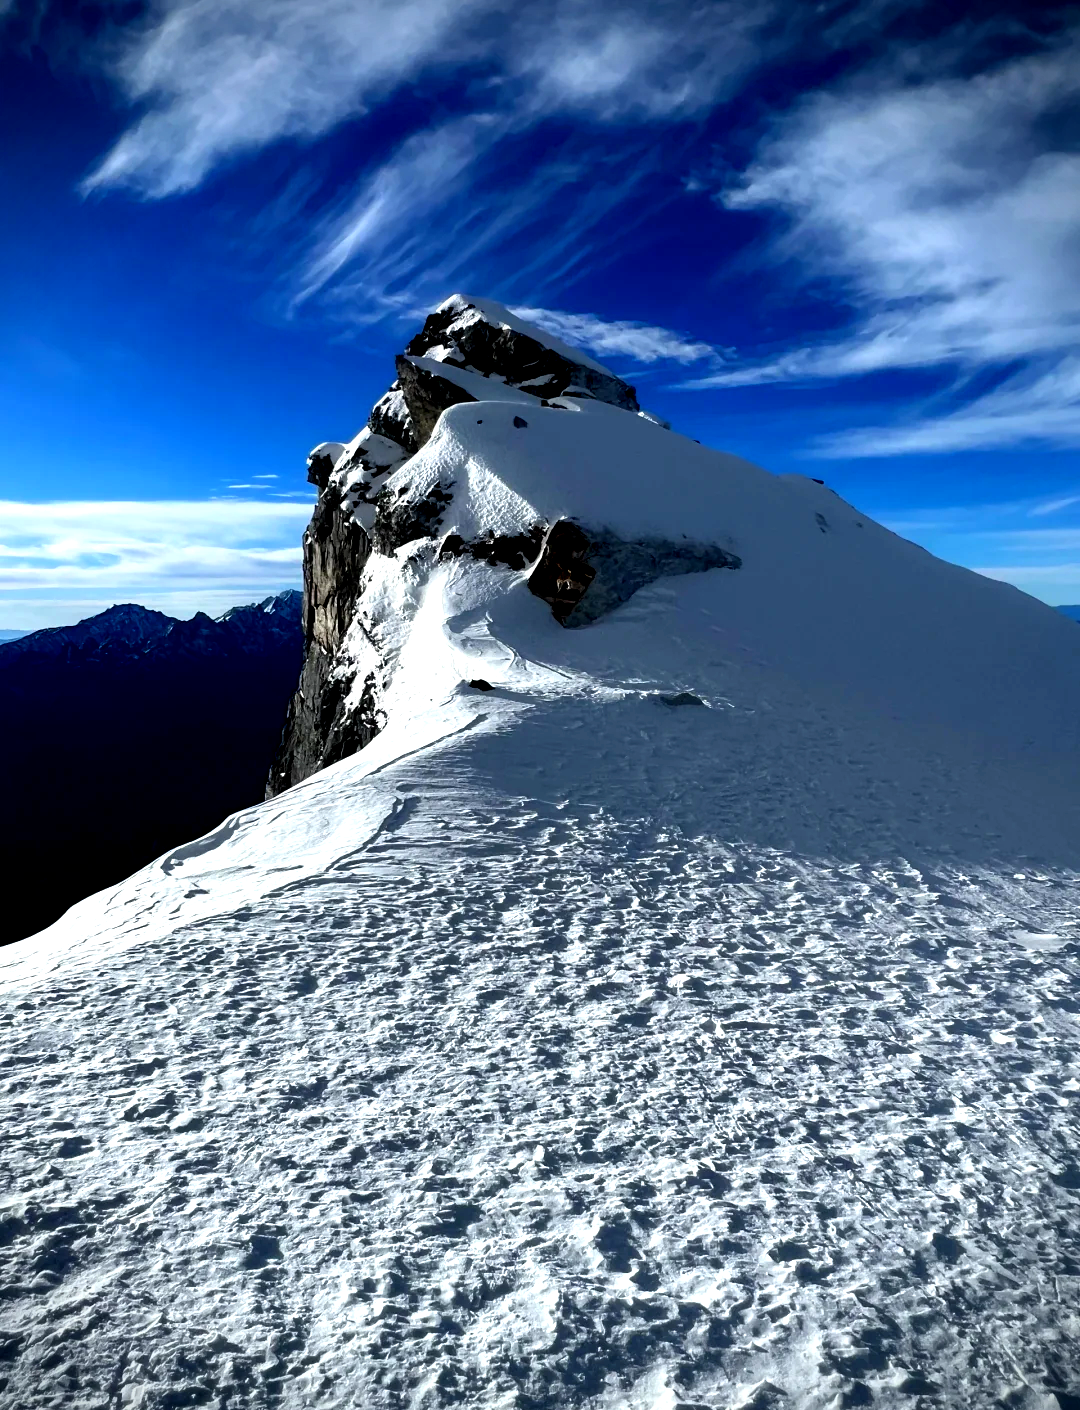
690, 1019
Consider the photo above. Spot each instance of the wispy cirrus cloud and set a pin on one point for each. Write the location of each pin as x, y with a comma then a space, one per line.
221, 78
218, 80
1055, 506
453, 198
1034, 407
642, 342
947, 214
191, 555
386, 228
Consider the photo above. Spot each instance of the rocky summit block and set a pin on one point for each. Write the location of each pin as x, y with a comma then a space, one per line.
385, 501
472, 334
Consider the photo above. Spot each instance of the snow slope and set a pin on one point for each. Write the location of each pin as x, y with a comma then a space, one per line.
688, 1019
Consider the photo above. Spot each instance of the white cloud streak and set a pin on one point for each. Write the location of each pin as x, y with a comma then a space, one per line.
221, 78
940, 209
1032, 409
444, 204
194, 554
641, 342
951, 221
631, 61
1055, 506
386, 225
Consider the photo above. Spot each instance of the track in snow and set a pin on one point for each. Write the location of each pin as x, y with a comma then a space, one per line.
532, 1102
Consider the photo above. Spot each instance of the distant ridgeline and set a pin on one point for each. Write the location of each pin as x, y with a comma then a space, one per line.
128, 734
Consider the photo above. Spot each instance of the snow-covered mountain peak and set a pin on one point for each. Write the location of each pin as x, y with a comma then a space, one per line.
286, 604
481, 337
123, 628
456, 315
652, 984
127, 632
476, 481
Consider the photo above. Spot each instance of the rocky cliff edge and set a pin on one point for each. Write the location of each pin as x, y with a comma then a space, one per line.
380, 498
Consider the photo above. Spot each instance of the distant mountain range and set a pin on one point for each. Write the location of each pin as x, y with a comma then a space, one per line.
128, 733
129, 633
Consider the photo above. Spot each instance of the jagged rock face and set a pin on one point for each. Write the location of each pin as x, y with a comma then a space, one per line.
582, 575
459, 334
427, 396
336, 549
468, 351
390, 418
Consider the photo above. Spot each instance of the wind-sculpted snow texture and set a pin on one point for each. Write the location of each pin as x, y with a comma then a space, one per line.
687, 1019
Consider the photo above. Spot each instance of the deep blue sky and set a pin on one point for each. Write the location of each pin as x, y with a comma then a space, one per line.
842, 239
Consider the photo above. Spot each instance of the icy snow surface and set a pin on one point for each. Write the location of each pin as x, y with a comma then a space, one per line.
571, 1046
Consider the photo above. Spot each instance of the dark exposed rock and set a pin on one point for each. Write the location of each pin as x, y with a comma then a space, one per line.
320, 729
516, 357
318, 470
563, 575
336, 549
347, 731
399, 520
514, 551
481, 685
684, 697
321, 462
427, 395
584, 574
390, 418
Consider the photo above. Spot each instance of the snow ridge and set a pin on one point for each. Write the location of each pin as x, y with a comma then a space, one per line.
675, 1008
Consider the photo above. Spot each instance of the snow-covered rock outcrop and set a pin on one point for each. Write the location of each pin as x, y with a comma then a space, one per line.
410, 499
